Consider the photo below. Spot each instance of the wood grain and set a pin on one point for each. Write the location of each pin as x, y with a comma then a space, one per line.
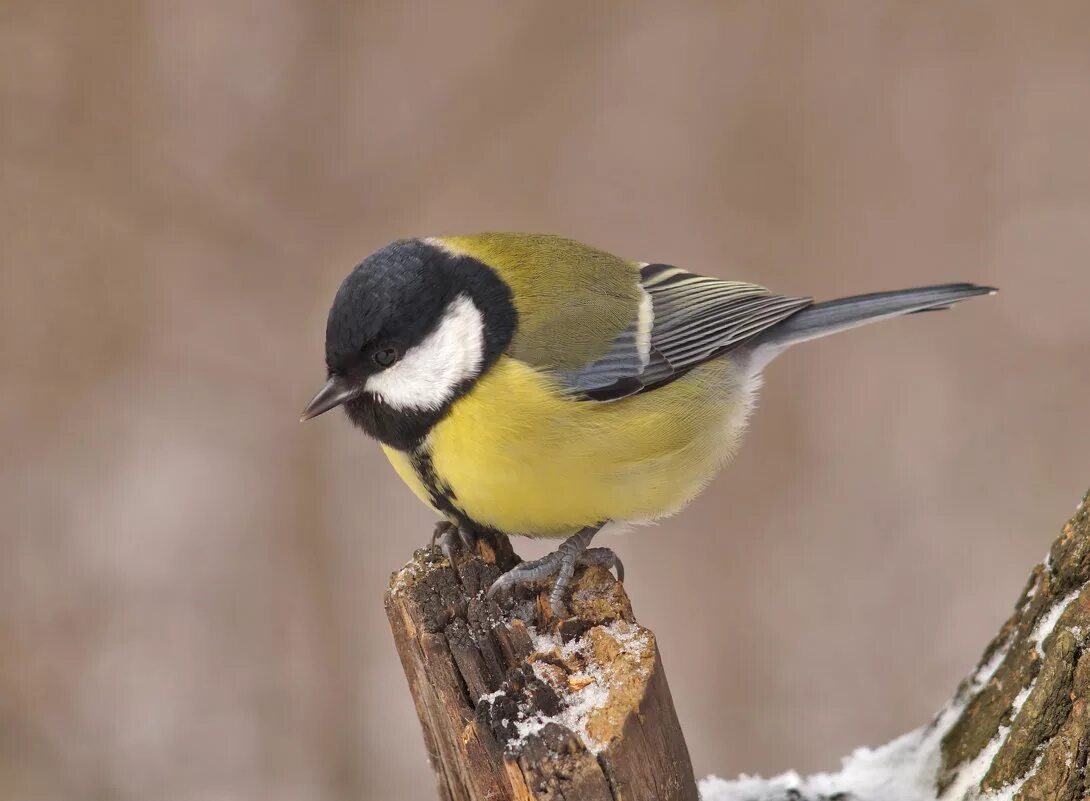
518, 704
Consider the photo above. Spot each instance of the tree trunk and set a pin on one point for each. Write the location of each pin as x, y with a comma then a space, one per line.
516, 704
1022, 724
519, 705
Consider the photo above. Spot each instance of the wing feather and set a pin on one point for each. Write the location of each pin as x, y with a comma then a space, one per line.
685, 320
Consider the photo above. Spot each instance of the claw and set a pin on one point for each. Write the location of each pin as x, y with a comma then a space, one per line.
525, 573
469, 538
451, 538
440, 530
604, 557
561, 563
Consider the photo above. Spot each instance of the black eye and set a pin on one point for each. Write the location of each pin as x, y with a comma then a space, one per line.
384, 357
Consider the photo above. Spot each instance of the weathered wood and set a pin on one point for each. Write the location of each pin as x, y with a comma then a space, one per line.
517, 705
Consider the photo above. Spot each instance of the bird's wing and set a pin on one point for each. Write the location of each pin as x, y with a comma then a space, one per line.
682, 320
607, 328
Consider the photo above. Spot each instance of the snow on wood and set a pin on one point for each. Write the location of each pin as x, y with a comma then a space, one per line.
516, 704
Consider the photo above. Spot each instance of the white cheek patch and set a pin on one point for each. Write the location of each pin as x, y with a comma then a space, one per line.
428, 373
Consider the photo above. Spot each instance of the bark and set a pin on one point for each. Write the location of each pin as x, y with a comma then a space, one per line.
1024, 724
517, 704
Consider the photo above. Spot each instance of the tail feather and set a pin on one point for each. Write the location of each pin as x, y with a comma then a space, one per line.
833, 316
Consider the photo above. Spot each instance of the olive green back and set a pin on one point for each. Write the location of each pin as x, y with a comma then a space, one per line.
572, 300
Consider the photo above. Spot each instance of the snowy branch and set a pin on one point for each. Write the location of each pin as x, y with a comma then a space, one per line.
1017, 729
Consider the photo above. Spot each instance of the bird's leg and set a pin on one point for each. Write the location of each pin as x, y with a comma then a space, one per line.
468, 536
452, 537
561, 563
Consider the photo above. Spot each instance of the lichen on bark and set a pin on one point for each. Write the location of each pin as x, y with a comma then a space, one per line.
1028, 716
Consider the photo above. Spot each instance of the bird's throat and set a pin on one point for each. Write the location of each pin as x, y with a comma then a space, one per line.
403, 429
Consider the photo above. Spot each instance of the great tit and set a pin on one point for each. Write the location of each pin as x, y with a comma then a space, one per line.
532, 385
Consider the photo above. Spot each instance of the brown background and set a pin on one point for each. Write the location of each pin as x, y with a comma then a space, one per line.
190, 582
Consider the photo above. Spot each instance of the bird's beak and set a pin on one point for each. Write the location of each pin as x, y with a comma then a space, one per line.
336, 391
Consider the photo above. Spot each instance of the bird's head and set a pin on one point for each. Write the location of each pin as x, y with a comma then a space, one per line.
411, 329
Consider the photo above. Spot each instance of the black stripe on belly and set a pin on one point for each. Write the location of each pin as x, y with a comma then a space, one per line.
440, 494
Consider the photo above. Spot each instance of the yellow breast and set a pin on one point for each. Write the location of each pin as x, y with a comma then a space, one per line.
521, 458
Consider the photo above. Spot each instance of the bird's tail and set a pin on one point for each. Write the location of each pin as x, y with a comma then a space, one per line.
840, 315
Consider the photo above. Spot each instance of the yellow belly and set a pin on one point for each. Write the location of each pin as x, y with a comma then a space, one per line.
523, 460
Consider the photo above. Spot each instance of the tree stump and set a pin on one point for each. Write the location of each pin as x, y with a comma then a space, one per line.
519, 705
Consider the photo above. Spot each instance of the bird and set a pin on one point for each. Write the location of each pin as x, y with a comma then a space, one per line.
532, 385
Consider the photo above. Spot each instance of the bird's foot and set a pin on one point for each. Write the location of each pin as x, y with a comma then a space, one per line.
560, 563
452, 538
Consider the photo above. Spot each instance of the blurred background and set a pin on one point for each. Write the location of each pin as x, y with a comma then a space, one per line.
191, 582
